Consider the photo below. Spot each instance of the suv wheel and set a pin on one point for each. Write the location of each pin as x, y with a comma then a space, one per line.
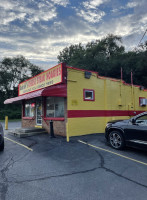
116, 140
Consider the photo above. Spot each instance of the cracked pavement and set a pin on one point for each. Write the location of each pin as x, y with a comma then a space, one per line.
58, 170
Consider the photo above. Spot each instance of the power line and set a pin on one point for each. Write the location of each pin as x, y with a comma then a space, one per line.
135, 48
142, 37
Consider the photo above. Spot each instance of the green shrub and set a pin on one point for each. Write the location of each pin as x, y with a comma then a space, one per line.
13, 113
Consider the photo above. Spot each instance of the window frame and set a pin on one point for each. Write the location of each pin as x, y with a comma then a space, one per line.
23, 114
88, 90
53, 118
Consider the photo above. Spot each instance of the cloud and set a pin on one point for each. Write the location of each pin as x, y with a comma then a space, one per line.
132, 4
92, 4
61, 2
91, 16
29, 11
40, 29
131, 25
7, 5
45, 45
90, 11
7, 17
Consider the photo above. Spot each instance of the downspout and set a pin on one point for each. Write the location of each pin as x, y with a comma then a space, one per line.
105, 98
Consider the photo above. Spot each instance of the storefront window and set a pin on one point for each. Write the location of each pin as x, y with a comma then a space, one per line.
54, 107
29, 109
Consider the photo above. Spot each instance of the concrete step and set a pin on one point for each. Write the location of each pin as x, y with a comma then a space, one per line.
26, 132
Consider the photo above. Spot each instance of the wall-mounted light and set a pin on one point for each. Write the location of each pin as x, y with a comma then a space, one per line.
87, 74
141, 88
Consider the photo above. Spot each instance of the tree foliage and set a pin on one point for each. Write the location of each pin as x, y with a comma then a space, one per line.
12, 72
107, 56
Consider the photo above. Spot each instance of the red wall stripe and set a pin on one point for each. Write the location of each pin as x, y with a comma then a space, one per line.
101, 113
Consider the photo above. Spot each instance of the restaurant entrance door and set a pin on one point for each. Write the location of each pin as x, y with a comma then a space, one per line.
39, 112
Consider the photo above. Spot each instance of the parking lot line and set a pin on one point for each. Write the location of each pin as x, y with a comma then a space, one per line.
19, 144
143, 163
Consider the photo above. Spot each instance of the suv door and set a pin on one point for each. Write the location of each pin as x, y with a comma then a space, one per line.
137, 132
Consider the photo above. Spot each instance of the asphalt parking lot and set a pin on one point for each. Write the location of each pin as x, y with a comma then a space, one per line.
86, 168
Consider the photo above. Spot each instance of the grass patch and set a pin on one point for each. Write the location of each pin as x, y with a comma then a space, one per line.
11, 120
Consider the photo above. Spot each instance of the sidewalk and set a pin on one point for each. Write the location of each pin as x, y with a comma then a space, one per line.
11, 126
14, 128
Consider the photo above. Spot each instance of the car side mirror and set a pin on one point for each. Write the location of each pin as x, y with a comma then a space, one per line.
133, 121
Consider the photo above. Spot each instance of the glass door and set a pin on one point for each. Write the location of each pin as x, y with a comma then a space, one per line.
38, 112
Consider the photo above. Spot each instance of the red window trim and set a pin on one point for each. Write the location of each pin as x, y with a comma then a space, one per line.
90, 91
29, 118
54, 118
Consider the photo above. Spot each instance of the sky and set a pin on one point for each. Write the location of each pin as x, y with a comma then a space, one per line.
40, 29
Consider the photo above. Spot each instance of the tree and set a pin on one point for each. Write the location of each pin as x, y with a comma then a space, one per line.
107, 56
94, 55
72, 54
12, 72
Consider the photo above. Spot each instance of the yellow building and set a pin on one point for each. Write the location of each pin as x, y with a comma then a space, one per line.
79, 102
93, 100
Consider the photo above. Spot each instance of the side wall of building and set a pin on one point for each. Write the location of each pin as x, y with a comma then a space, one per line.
113, 100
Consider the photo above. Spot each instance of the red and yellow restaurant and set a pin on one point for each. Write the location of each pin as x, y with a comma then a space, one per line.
79, 102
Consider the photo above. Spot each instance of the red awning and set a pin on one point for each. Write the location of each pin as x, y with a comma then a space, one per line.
56, 91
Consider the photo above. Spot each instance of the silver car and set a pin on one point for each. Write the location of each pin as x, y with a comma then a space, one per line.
1, 138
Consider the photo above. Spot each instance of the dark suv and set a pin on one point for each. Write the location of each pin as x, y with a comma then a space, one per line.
1, 138
131, 132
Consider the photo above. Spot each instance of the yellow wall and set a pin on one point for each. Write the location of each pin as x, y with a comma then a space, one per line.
109, 95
